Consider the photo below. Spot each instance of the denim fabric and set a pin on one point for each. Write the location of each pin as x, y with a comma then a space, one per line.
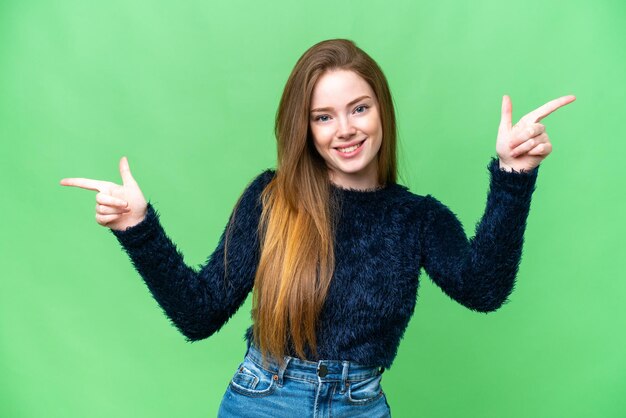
300, 388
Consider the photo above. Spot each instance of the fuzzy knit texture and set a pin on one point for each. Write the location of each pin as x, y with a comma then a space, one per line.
384, 238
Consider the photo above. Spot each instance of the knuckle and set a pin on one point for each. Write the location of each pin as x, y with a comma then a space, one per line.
101, 198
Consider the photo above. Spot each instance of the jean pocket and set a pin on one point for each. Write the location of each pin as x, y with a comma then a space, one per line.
252, 380
366, 390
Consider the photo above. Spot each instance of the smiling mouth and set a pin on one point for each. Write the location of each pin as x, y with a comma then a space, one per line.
348, 150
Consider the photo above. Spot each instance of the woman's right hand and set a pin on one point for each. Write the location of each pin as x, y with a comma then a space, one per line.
117, 207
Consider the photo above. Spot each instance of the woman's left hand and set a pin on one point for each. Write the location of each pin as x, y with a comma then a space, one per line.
526, 144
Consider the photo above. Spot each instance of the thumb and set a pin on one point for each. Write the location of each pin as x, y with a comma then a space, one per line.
505, 118
127, 177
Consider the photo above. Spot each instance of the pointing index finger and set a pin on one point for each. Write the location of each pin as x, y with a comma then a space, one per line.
88, 184
541, 112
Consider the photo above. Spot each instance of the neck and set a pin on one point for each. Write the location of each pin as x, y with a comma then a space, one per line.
358, 181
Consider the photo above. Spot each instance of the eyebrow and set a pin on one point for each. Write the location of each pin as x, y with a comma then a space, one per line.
323, 109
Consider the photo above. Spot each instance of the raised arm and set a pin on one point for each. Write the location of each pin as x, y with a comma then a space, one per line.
199, 303
479, 273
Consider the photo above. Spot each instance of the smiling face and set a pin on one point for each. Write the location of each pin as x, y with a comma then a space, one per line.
346, 128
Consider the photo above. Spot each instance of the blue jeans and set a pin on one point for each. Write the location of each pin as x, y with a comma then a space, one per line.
301, 389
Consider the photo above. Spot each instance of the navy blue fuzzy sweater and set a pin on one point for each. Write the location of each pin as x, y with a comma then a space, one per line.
384, 237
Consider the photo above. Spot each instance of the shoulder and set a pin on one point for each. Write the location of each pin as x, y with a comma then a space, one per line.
258, 183
250, 198
248, 207
263, 178
404, 197
421, 209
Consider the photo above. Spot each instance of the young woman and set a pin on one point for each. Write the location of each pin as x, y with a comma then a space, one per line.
331, 245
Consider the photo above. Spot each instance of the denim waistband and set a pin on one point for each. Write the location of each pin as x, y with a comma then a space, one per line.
322, 370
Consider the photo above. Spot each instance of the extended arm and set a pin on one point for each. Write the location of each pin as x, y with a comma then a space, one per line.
480, 273
199, 303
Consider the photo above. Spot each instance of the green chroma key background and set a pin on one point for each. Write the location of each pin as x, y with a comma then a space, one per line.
188, 91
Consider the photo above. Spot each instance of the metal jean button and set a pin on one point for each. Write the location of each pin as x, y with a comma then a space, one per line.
322, 370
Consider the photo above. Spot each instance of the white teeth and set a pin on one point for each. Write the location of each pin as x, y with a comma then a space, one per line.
349, 149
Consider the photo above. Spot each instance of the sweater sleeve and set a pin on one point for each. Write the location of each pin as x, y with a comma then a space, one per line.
480, 273
199, 303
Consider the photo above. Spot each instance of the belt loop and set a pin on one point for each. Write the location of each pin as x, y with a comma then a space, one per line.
344, 376
281, 369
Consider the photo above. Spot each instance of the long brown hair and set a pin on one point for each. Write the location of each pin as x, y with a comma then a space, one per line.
296, 229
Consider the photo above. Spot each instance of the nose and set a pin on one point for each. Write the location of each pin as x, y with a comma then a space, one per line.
345, 130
